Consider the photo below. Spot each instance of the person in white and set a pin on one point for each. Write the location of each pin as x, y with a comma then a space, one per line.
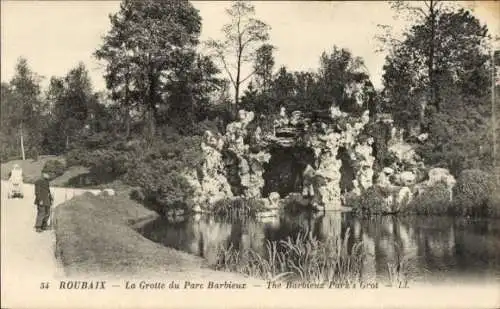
16, 181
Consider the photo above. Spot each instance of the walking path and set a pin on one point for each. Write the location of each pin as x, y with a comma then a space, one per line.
27, 256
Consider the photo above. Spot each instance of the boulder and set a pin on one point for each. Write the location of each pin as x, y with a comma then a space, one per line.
403, 197
405, 178
108, 192
441, 175
273, 200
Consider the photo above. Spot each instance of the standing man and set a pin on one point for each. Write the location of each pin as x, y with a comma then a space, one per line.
43, 201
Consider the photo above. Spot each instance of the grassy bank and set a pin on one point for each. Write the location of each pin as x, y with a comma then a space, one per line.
94, 236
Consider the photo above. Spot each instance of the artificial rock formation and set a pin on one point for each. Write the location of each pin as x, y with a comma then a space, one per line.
326, 145
235, 163
245, 168
250, 164
327, 175
210, 182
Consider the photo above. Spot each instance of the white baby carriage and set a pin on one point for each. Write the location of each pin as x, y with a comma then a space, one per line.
16, 182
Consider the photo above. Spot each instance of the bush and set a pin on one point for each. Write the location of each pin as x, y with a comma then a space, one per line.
160, 172
77, 157
113, 161
54, 168
472, 193
137, 195
434, 201
372, 201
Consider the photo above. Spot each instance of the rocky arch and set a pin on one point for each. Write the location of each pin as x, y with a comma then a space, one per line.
283, 172
298, 153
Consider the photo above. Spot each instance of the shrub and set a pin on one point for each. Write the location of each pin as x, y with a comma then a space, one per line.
95, 141
433, 201
472, 192
372, 201
160, 172
137, 195
113, 161
77, 157
54, 168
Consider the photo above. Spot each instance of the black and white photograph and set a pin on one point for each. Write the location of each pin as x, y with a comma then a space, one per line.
250, 154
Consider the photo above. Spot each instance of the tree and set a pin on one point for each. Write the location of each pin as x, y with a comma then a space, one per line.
72, 112
26, 106
241, 37
263, 66
73, 100
444, 89
149, 44
342, 80
283, 90
440, 41
191, 92
9, 129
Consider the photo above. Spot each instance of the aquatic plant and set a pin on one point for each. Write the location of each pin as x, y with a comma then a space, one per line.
302, 258
237, 208
400, 270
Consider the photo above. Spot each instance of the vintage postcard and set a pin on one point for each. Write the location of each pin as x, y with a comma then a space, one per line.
250, 154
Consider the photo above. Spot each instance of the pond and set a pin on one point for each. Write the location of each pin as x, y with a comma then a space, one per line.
437, 249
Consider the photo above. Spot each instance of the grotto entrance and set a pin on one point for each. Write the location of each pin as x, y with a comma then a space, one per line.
283, 172
347, 171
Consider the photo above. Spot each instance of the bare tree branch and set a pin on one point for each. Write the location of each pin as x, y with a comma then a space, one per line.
222, 58
248, 76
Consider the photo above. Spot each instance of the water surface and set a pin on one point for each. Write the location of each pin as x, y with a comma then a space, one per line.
438, 249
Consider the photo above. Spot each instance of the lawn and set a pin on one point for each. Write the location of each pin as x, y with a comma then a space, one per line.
32, 171
94, 236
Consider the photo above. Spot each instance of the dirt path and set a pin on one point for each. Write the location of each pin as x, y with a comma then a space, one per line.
27, 256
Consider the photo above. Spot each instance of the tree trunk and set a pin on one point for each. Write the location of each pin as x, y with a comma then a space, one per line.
127, 123
22, 142
152, 124
152, 104
236, 100
127, 102
432, 17
237, 86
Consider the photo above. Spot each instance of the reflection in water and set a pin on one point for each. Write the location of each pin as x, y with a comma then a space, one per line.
430, 248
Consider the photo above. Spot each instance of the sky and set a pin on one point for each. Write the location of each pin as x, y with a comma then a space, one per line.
55, 36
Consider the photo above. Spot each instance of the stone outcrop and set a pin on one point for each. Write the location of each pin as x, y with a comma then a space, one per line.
209, 182
250, 164
404, 179
439, 175
234, 164
327, 176
219, 174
